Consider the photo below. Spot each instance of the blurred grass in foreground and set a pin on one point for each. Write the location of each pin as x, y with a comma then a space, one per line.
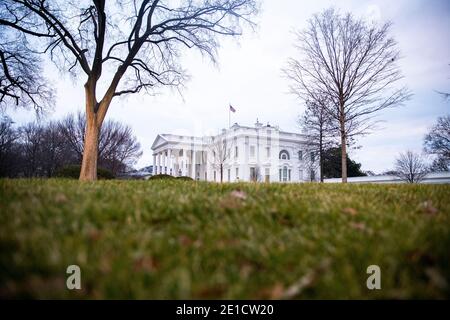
181, 239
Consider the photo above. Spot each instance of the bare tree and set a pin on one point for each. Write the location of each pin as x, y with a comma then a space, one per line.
72, 128
437, 142
410, 167
351, 63
54, 153
8, 147
31, 136
118, 147
21, 80
219, 152
319, 128
311, 163
124, 46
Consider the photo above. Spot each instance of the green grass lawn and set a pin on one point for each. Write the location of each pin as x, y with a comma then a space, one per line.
184, 239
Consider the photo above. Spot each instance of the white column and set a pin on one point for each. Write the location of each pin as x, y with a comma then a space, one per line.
183, 163
164, 170
193, 163
170, 168
159, 164
201, 171
177, 162
154, 164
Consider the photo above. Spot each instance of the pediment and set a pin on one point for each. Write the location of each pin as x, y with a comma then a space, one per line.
159, 141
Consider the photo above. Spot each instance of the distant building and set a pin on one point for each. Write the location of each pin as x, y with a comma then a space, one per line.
259, 153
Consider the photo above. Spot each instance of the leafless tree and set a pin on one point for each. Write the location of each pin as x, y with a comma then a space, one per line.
351, 63
219, 152
311, 163
8, 147
72, 128
118, 147
410, 167
437, 142
319, 128
123, 47
21, 80
54, 153
31, 136
40, 150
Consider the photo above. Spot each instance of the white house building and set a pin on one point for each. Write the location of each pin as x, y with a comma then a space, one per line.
241, 153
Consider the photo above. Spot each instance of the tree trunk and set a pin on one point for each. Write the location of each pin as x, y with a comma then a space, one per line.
221, 173
90, 154
343, 145
343, 157
320, 155
95, 114
88, 170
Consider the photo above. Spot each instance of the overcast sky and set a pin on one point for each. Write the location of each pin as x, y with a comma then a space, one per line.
248, 76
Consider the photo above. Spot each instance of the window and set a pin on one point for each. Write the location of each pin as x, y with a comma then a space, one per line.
289, 175
300, 175
214, 175
237, 173
267, 172
229, 175
284, 155
285, 173
312, 157
280, 174
313, 175
236, 152
252, 151
246, 139
268, 152
253, 176
300, 155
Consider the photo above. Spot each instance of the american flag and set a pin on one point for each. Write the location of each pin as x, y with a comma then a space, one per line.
232, 109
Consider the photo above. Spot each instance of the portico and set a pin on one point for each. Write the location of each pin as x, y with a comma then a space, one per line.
179, 156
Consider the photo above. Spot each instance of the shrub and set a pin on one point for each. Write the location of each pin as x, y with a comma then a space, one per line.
185, 178
73, 172
161, 177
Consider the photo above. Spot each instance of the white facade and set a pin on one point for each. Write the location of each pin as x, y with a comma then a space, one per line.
259, 153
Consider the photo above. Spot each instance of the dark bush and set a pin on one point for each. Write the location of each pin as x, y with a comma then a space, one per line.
161, 177
73, 171
185, 178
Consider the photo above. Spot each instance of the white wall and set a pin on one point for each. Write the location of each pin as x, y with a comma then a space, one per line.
434, 177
